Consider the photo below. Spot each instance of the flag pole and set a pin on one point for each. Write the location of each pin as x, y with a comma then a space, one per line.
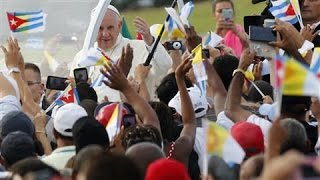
257, 88
11, 34
150, 56
54, 102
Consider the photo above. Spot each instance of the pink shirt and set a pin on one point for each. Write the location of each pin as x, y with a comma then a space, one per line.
233, 41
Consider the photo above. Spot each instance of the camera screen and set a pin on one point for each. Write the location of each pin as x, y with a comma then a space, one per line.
56, 83
81, 75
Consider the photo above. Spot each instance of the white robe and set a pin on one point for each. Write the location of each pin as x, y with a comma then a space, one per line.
161, 63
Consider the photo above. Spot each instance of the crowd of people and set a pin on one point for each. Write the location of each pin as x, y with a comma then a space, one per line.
161, 110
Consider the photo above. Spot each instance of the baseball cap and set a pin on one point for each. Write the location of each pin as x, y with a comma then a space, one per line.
17, 146
199, 102
249, 136
269, 110
66, 116
16, 121
168, 169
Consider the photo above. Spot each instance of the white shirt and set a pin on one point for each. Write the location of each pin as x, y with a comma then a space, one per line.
264, 124
60, 157
161, 63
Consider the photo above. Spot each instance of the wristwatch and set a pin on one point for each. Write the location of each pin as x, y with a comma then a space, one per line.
238, 70
14, 70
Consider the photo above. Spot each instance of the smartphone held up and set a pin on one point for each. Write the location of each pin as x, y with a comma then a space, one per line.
56, 83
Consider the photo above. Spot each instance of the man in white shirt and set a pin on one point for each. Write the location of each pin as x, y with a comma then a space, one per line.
63, 121
111, 41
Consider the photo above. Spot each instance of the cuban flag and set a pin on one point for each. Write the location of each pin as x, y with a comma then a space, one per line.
26, 21
69, 95
283, 10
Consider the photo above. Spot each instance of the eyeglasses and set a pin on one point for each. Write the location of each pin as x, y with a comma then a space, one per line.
30, 83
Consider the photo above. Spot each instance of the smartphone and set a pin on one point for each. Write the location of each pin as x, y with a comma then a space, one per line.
255, 20
227, 14
56, 83
262, 49
129, 120
206, 53
173, 45
80, 75
263, 34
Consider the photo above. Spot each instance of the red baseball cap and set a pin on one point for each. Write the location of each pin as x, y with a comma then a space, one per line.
249, 136
168, 169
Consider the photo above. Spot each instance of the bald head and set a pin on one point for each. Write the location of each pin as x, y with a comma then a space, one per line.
144, 154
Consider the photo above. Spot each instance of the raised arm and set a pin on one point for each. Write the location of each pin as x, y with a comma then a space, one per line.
117, 80
216, 88
14, 60
289, 44
186, 140
140, 75
233, 108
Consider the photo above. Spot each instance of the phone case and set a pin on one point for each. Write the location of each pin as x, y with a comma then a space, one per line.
227, 14
263, 34
262, 49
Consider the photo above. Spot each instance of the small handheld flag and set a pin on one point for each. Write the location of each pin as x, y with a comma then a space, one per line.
69, 95
213, 39
199, 69
299, 80
26, 21
153, 50
220, 142
53, 63
283, 10
94, 57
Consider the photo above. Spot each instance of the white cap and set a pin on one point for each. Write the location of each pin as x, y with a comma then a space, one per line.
66, 116
114, 9
269, 110
110, 7
199, 102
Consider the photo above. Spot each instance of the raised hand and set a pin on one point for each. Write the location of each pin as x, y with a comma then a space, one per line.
183, 68
144, 30
40, 121
287, 31
125, 61
246, 59
257, 68
141, 72
308, 32
116, 79
13, 57
192, 38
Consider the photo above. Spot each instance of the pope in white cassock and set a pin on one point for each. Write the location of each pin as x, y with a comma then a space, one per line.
110, 40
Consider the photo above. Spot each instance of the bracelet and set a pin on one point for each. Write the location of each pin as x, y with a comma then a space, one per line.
238, 70
40, 131
14, 70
